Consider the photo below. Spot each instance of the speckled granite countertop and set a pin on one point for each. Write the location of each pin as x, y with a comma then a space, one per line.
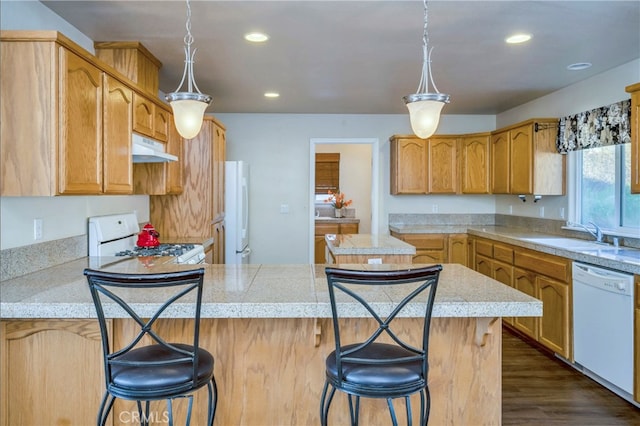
325, 219
346, 244
622, 259
252, 291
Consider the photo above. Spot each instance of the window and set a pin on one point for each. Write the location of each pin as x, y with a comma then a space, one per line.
327, 173
603, 189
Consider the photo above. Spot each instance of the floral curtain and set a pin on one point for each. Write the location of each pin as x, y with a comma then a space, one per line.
608, 125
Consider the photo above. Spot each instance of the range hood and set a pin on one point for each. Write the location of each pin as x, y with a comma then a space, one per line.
147, 150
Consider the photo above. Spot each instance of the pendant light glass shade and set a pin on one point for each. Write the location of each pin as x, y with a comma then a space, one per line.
188, 107
424, 108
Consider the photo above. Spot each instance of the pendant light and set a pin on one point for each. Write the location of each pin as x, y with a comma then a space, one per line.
424, 107
188, 107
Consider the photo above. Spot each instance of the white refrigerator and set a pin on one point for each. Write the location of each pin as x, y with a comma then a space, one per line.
236, 203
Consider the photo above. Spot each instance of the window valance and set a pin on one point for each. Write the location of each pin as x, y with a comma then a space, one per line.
608, 125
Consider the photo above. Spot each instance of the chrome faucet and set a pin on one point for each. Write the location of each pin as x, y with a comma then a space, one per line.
597, 232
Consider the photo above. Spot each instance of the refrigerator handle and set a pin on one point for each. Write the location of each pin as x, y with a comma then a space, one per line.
245, 210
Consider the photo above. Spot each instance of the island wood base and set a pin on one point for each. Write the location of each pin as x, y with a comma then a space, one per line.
268, 371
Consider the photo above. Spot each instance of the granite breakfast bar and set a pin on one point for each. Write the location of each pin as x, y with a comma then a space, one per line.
269, 328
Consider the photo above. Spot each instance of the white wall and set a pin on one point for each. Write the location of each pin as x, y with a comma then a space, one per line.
61, 216
600, 90
277, 148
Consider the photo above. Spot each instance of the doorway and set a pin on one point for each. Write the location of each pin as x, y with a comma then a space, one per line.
372, 208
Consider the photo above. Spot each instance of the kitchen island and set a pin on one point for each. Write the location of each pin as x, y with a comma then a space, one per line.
368, 248
269, 328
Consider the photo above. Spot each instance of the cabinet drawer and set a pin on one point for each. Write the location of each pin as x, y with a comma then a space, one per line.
327, 228
425, 241
484, 248
503, 253
544, 264
348, 228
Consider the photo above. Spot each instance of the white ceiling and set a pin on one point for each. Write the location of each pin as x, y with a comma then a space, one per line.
363, 56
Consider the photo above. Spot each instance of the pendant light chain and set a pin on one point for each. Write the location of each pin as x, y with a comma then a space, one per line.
427, 76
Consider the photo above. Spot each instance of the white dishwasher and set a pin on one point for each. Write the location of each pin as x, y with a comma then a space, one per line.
603, 326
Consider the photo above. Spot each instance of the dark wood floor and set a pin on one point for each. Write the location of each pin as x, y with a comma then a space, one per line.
539, 389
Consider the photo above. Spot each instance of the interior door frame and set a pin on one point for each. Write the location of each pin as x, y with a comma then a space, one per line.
375, 182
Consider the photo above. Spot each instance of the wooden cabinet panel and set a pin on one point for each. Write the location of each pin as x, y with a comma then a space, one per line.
484, 265
80, 126
442, 164
474, 164
118, 124
525, 281
503, 253
635, 138
484, 248
503, 272
429, 256
458, 249
500, 163
545, 264
521, 154
554, 323
174, 176
424, 241
143, 114
409, 159
28, 74
160, 124
37, 358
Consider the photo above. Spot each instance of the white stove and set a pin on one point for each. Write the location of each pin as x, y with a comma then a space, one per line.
116, 235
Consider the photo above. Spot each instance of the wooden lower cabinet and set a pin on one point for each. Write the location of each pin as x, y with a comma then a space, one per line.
322, 229
540, 275
52, 372
269, 371
437, 248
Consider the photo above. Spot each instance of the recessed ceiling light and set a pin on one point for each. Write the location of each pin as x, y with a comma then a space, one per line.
579, 66
272, 95
256, 37
518, 38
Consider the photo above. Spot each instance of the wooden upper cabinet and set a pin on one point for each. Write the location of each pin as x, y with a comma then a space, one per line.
524, 159
474, 164
175, 169
161, 123
117, 127
80, 126
409, 158
442, 165
521, 153
500, 163
635, 137
143, 115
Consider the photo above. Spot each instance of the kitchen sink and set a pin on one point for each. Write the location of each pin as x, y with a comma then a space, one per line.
569, 243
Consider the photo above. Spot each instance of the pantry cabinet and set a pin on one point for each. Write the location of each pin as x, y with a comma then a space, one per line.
634, 89
199, 210
525, 160
540, 275
54, 137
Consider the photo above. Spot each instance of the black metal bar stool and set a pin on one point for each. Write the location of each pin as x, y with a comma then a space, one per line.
373, 368
161, 370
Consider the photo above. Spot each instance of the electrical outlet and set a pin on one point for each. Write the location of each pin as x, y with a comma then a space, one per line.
510, 209
375, 261
561, 212
541, 211
434, 208
284, 208
37, 229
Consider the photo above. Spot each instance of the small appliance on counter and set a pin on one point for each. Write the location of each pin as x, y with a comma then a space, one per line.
120, 235
148, 237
